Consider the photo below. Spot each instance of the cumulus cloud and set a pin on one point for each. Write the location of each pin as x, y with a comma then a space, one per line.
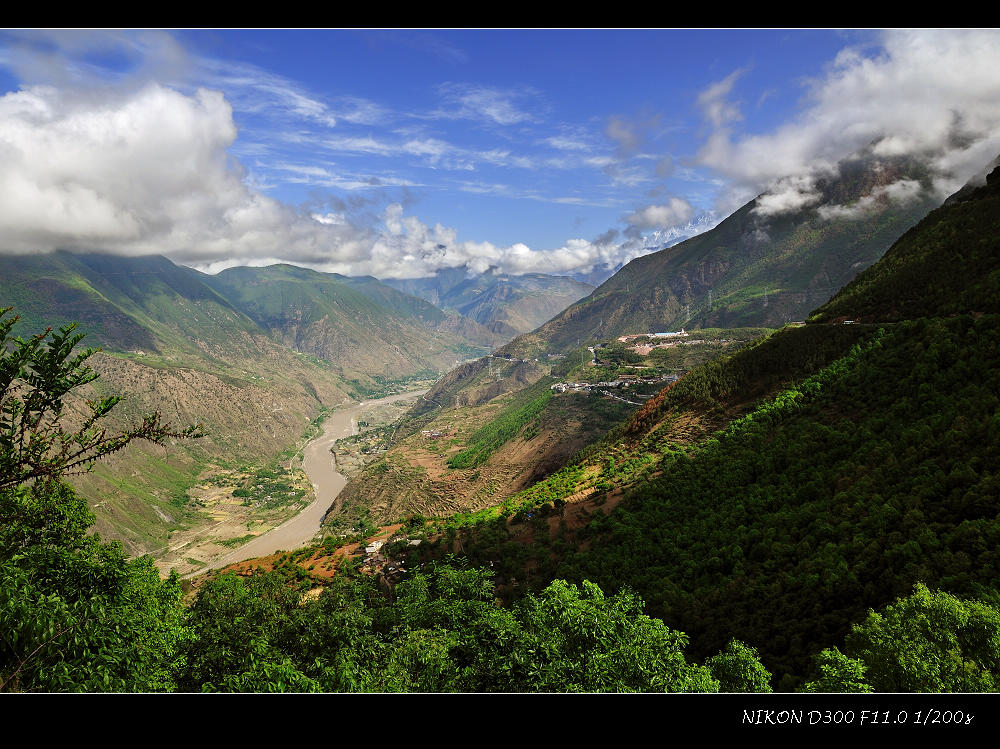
674, 212
142, 172
932, 94
147, 171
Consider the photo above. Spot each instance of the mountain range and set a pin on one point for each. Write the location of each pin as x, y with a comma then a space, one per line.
507, 304
753, 270
827, 473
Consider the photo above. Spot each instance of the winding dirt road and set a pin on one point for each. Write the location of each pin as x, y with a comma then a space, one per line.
321, 468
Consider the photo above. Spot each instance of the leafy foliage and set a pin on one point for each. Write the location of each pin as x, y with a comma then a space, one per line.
930, 642
738, 669
835, 672
443, 632
75, 613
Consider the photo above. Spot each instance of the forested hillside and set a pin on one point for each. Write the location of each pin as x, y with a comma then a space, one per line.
871, 469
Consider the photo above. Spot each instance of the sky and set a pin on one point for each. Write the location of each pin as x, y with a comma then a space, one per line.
396, 153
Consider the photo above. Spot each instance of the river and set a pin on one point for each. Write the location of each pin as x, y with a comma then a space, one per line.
321, 468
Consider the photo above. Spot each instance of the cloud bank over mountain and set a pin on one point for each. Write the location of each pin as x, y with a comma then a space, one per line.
145, 165
147, 171
933, 95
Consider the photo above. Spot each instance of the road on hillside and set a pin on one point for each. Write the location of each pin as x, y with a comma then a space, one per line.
321, 468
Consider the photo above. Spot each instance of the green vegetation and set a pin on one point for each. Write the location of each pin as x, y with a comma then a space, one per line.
381, 387
271, 487
75, 613
525, 407
926, 642
443, 632
233, 543
943, 266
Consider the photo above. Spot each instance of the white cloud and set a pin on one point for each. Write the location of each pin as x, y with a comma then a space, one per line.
788, 194
253, 89
675, 212
140, 172
465, 101
712, 101
567, 143
933, 94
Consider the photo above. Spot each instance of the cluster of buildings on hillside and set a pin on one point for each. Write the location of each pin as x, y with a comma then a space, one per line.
376, 560
562, 387
433, 434
654, 336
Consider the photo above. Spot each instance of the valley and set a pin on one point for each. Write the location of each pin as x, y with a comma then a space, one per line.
813, 466
496, 427
524, 361
234, 520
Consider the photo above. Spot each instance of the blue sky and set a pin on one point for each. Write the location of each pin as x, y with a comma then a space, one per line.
399, 152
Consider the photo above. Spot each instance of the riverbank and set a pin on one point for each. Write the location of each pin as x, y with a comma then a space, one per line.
320, 467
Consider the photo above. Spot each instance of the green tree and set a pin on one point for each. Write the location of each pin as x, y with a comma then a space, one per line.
738, 669
930, 642
75, 613
835, 672
236, 630
579, 640
36, 375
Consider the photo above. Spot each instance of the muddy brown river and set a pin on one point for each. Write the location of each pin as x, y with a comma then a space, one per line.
321, 468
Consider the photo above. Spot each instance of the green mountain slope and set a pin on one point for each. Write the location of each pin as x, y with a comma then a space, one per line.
855, 461
359, 325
